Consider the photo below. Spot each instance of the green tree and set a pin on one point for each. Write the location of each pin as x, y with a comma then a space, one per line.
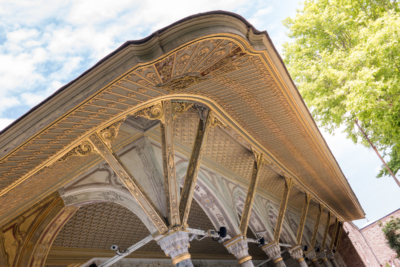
345, 60
391, 231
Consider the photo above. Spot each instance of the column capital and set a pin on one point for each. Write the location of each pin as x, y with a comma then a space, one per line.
310, 254
176, 246
330, 255
322, 256
296, 253
273, 251
239, 248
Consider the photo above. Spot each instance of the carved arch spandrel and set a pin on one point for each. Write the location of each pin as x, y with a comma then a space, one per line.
102, 189
26, 240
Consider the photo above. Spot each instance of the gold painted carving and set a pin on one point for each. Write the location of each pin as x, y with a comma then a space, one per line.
129, 181
155, 112
178, 108
251, 192
181, 83
316, 226
168, 155
328, 219
110, 133
282, 208
84, 149
214, 122
193, 168
303, 218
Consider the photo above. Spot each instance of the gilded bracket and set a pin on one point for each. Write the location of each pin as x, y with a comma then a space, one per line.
328, 220
282, 208
155, 112
194, 166
110, 133
307, 200
251, 192
168, 155
339, 235
178, 108
129, 181
333, 237
316, 226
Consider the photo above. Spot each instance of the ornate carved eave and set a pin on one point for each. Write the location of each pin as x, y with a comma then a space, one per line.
235, 73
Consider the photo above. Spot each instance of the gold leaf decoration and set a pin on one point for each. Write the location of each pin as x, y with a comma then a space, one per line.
84, 149
181, 83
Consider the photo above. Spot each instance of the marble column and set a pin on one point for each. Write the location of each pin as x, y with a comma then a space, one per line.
239, 248
312, 256
296, 253
325, 261
274, 253
331, 257
176, 246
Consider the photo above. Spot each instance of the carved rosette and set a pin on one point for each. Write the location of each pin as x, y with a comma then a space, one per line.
84, 149
273, 251
155, 112
176, 246
239, 248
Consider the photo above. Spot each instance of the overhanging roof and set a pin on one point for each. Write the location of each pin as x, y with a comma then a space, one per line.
215, 58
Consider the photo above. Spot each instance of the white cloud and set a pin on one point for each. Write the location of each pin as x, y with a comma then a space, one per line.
4, 123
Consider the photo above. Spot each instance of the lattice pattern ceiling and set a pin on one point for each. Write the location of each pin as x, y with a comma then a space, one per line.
98, 226
240, 82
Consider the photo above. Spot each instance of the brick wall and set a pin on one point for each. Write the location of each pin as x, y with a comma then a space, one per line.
354, 248
373, 233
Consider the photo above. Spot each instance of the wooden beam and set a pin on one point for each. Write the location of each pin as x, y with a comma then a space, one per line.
282, 208
251, 192
328, 220
168, 154
129, 181
299, 236
207, 120
316, 226
334, 234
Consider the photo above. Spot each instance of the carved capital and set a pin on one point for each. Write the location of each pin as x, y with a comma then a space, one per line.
330, 255
296, 252
310, 254
155, 112
273, 250
321, 256
238, 247
176, 246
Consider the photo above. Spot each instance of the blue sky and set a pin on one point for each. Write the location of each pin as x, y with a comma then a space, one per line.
45, 44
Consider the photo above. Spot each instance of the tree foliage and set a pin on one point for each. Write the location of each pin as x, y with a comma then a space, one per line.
345, 60
391, 231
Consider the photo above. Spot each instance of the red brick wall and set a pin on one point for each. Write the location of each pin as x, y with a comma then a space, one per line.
373, 233
354, 249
